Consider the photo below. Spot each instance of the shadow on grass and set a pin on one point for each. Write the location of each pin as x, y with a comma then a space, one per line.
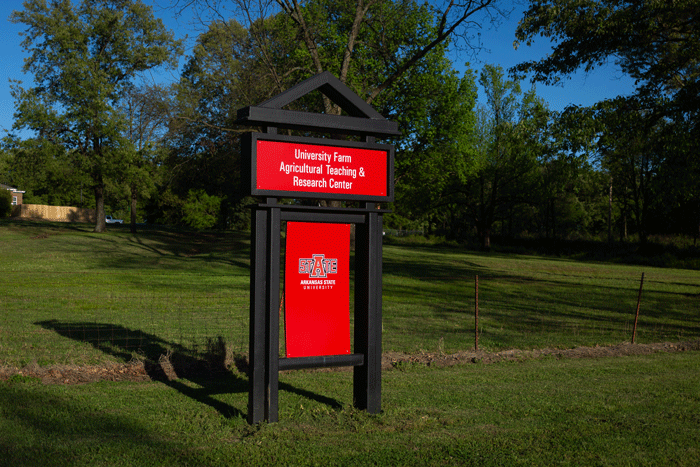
48, 428
172, 363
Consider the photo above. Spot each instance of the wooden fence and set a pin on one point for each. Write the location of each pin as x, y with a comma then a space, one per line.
55, 213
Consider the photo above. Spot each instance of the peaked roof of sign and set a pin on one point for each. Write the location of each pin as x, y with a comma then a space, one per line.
362, 119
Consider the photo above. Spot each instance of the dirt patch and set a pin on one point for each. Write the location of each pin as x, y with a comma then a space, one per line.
69, 374
394, 360
138, 371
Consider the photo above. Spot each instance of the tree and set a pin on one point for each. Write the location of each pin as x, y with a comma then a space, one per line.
624, 151
5, 203
147, 113
437, 111
680, 177
201, 210
656, 42
367, 44
203, 141
46, 172
5, 162
84, 59
233, 66
652, 131
567, 183
511, 131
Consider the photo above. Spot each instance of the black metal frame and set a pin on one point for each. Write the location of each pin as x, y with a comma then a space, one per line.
265, 362
362, 119
267, 218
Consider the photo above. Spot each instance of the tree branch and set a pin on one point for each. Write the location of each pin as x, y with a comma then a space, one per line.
444, 31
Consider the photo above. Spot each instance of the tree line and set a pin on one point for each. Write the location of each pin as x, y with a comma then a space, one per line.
505, 165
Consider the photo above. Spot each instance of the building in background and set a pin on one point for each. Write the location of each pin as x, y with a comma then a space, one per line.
16, 194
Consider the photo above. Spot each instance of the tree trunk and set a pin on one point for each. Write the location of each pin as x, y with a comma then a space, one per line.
100, 224
486, 238
134, 199
623, 226
553, 214
610, 198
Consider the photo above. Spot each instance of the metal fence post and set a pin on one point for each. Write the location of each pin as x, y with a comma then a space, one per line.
476, 313
636, 315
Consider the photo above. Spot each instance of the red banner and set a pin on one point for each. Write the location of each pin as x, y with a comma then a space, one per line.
312, 168
317, 289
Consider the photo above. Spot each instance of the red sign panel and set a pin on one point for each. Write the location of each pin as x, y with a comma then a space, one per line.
286, 166
317, 289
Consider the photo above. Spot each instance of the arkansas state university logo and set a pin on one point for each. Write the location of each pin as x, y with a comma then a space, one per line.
318, 267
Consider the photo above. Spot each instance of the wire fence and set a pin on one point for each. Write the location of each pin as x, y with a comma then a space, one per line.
60, 323
84, 327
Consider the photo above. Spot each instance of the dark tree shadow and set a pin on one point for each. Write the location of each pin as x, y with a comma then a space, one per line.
163, 361
172, 363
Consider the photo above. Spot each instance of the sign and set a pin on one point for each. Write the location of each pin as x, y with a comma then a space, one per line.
317, 289
293, 167
317, 277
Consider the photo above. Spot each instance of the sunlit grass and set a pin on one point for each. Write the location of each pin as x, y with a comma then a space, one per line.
640, 410
72, 291
530, 302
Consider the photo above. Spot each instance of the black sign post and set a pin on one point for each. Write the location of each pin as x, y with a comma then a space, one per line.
282, 166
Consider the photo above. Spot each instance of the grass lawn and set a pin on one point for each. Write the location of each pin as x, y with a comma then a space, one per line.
529, 301
75, 297
641, 410
72, 297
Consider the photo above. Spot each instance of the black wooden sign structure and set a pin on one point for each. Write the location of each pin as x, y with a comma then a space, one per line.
267, 216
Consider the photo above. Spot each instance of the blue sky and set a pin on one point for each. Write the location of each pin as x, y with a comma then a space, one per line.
581, 89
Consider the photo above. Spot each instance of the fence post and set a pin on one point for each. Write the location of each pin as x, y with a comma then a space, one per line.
476, 313
636, 315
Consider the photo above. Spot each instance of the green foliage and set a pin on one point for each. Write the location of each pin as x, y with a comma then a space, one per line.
512, 131
84, 58
437, 116
369, 46
48, 173
203, 144
5, 203
5, 163
643, 138
241, 62
201, 211
655, 42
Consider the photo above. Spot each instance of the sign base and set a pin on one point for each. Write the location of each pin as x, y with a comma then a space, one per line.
265, 361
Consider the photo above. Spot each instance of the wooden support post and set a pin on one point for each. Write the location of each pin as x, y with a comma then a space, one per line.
258, 323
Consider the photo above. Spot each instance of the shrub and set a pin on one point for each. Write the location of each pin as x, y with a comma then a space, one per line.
201, 211
5, 203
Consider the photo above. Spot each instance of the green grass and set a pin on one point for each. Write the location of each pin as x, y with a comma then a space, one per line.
641, 410
74, 297
73, 294
529, 301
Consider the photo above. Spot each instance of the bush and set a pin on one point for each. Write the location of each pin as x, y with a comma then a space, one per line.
201, 211
5, 203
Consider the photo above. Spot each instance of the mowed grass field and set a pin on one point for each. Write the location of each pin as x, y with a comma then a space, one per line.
71, 297
625, 411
